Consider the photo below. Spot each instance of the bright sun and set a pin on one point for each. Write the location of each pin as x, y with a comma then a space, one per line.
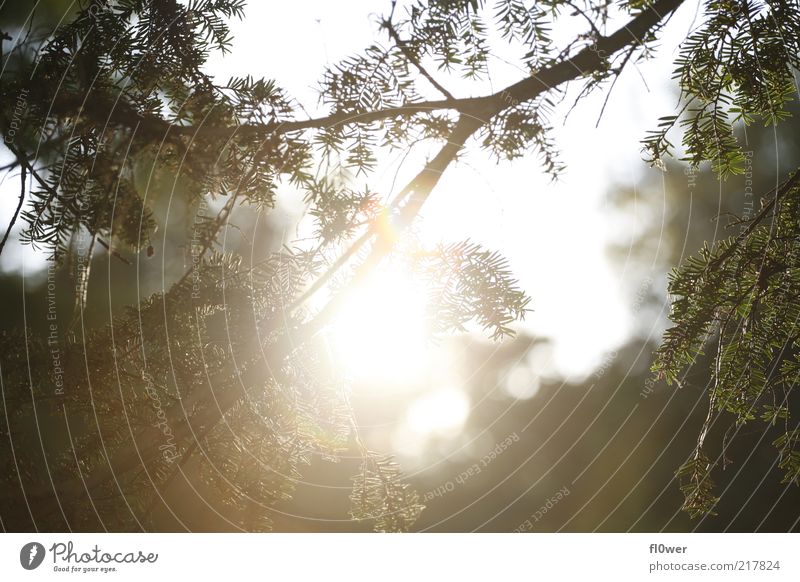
380, 334
381, 338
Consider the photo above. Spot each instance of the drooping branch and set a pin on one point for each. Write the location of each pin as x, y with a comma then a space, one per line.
27, 167
779, 193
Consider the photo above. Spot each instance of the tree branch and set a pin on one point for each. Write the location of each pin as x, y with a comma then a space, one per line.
17, 211
585, 16
756, 220
401, 44
587, 60
26, 166
482, 109
421, 187
111, 251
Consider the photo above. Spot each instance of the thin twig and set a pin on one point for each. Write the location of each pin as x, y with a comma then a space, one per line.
595, 30
17, 211
210, 238
371, 230
404, 48
26, 166
113, 252
9, 166
780, 193
420, 188
614, 82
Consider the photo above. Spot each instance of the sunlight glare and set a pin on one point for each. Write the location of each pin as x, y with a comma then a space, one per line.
440, 413
380, 334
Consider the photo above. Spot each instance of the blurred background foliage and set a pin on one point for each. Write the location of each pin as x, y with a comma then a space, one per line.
612, 440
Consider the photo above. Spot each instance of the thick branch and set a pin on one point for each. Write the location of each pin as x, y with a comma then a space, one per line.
588, 60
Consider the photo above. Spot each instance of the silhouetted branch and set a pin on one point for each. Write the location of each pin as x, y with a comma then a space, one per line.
407, 52
18, 209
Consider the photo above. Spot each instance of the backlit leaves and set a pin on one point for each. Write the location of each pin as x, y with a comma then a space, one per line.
745, 294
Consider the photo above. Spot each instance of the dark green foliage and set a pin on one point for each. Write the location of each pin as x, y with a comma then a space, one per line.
122, 381
738, 65
697, 486
745, 293
117, 106
339, 212
104, 92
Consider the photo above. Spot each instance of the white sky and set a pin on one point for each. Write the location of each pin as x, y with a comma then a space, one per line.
553, 234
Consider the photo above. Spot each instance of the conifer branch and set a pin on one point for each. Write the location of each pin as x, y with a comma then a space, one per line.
387, 24
481, 111
17, 210
587, 60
